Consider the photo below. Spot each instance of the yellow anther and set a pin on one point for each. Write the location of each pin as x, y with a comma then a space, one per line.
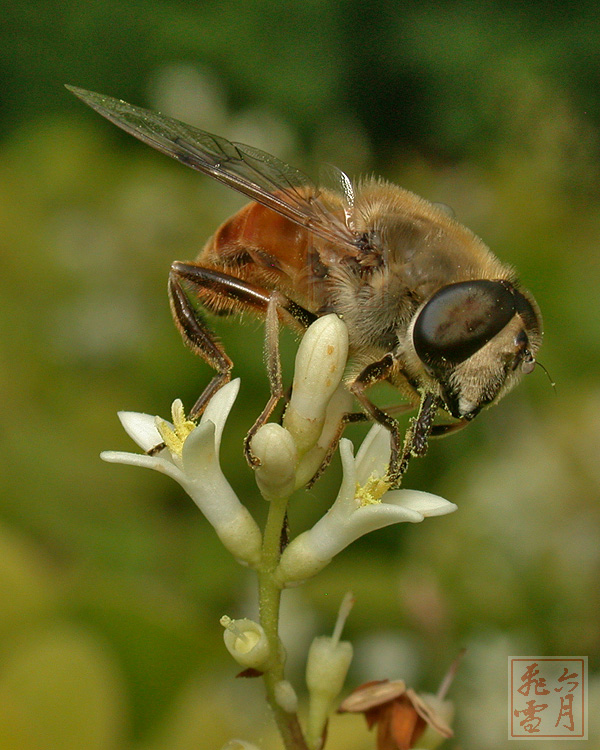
372, 491
183, 426
174, 437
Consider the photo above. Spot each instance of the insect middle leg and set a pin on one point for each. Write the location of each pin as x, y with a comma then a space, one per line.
273, 363
352, 418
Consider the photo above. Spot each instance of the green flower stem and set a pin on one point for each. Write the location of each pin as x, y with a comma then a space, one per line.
269, 601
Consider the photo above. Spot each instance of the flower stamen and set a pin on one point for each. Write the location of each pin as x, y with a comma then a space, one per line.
372, 491
174, 437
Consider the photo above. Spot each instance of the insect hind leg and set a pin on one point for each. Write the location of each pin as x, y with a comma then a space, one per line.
222, 293
198, 336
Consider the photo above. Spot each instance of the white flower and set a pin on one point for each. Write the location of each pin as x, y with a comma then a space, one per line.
192, 459
364, 503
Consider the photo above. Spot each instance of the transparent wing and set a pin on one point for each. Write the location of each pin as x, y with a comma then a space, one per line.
342, 185
256, 174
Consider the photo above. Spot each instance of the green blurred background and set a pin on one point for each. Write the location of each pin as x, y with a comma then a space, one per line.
111, 583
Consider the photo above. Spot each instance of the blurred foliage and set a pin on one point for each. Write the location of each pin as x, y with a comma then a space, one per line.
111, 584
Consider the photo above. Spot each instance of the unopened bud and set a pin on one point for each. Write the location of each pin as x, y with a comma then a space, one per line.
320, 364
275, 448
246, 642
286, 697
339, 405
326, 669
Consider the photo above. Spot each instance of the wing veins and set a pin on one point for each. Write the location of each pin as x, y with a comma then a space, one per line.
256, 174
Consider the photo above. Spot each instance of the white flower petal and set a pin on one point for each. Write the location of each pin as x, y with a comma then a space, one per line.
333, 537
424, 503
199, 453
218, 408
373, 456
347, 492
141, 428
164, 465
382, 514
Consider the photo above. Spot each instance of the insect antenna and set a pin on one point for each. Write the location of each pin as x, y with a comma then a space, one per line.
552, 383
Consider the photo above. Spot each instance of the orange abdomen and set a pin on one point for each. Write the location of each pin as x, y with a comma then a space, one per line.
268, 251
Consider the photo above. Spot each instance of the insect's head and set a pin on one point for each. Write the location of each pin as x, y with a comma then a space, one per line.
474, 341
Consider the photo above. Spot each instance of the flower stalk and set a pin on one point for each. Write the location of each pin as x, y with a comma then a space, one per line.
269, 606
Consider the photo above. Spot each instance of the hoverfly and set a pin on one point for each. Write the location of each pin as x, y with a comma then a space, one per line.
428, 307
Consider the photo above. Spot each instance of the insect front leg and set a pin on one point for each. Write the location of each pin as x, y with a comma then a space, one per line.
415, 439
417, 435
352, 418
348, 418
373, 373
441, 430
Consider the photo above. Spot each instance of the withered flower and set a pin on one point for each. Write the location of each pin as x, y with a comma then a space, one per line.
400, 714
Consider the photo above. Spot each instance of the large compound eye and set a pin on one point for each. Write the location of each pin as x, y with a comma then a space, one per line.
461, 318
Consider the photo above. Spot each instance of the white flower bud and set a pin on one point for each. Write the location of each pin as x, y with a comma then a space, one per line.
275, 448
339, 404
326, 669
286, 697
320, 364
246, 641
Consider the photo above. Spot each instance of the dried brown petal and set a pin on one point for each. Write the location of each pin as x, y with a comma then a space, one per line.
250, 672
373, 715
400, 714
372, 694
406, 724
385, 739
426, 712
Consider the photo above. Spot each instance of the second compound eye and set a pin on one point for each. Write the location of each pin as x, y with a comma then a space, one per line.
461, 318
